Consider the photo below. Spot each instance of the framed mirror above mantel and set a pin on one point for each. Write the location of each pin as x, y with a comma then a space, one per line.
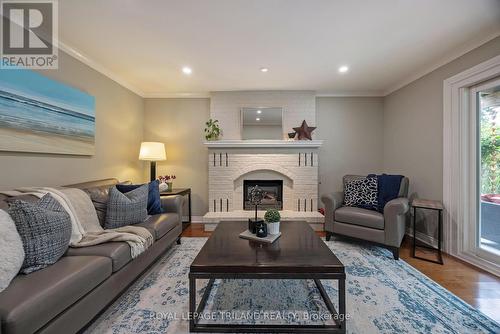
261, 123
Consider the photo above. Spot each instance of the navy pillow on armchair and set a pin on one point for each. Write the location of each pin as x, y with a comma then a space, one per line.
154, 202
388, 189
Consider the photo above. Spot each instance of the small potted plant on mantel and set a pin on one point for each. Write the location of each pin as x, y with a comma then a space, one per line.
212, 130
272, 218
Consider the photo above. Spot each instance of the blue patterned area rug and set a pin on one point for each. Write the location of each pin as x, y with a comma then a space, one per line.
383, 296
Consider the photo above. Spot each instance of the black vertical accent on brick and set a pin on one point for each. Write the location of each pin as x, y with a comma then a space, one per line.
227, 164
305, 204
221, 209
312, 159
305, 159
311, 205
215, 207
227, 204
298, 202
214, 159
299, 163
220, 159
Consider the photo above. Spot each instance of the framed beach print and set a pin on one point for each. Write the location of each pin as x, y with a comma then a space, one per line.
41, 115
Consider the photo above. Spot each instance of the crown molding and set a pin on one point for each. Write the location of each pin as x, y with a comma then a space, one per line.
77, 54
203, 95
351, 94
165, 95
467, 47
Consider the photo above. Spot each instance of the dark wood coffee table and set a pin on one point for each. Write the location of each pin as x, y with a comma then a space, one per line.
298, 254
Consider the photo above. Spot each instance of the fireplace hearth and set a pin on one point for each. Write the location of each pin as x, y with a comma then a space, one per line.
273, 198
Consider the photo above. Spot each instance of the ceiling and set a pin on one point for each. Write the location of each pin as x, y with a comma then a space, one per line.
386, 43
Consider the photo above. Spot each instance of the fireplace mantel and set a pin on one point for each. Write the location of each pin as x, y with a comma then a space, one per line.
264, 144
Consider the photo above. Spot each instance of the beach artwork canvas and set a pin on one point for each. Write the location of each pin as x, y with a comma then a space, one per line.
41, 115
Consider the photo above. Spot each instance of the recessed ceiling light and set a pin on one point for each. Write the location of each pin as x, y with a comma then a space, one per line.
257, 119
264, 69
259, 111
187, 70
343, 69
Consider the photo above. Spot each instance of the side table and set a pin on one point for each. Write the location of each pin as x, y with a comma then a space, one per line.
430, 205
181, 192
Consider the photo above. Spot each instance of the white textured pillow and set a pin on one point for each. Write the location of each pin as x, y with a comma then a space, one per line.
11, 248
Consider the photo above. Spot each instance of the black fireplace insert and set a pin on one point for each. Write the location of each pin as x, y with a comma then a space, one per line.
273, 190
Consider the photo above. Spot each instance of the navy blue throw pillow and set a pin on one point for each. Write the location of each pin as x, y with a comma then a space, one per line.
154, 203
388, 189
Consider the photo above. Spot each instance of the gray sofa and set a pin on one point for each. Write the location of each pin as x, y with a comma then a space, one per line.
66, 296
387, 229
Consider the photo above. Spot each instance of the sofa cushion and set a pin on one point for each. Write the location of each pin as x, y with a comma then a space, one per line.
45, 229
359, 216
159, 225
32, 300
118, 252
99, 197
127, 208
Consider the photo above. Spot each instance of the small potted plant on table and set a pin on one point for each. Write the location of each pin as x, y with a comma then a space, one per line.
272, 218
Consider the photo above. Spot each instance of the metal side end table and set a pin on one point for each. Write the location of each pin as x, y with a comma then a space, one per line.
429, 205
181, 192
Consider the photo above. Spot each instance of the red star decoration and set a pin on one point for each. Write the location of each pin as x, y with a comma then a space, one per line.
304, 131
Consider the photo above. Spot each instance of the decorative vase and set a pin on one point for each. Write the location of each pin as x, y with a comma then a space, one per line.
273, 228
291, 135
163, 187
252, 225
169, 186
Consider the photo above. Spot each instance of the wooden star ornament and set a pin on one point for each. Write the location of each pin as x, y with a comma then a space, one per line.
304, 131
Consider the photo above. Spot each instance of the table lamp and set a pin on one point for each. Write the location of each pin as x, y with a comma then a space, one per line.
153, 152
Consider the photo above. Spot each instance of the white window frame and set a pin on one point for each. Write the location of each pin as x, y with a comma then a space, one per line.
460, 163
474, 238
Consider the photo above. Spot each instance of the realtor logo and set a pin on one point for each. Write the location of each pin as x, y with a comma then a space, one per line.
29, 34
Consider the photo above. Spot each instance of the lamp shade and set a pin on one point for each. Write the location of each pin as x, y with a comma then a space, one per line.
152, 151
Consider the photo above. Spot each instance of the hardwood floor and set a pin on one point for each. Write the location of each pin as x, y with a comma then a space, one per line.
477, 287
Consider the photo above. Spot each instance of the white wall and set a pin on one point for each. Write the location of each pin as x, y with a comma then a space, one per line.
413, 128
179, 123
262, 132
352, 129
413, 124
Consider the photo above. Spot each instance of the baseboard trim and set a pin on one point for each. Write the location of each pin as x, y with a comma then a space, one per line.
197, 219
422, 237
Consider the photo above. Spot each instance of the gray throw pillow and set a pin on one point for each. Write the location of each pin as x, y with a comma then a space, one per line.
127, 208
45, 230
100, 198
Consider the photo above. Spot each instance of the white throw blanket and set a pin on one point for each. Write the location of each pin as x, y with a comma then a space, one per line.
85, 229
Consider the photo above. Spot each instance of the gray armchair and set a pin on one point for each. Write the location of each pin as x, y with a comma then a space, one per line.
387, 228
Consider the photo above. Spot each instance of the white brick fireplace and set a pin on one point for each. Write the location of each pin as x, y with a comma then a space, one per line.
231, 160
295, 163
